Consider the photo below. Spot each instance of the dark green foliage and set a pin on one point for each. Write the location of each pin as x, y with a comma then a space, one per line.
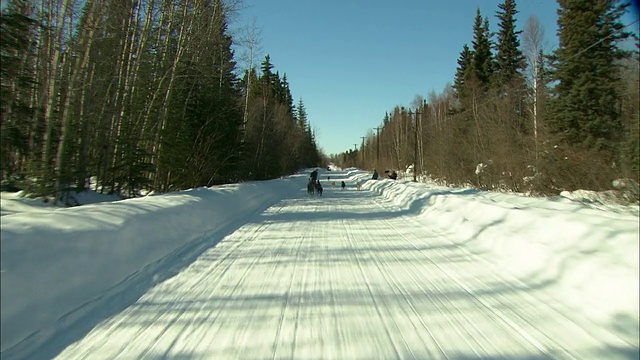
463, 70
16, 113
482, 59
495, 132
278, 139
207, 124
156, 106
509, 58
584, 110
309, 156
630, 115
630, 149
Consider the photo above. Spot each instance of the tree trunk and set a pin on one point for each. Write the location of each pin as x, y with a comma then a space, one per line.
81, 180
51, 93
162, 176
88, 30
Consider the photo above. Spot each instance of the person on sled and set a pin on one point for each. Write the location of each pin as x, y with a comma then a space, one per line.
314, 176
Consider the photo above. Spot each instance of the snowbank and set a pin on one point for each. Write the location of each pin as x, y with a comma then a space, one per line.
588, 257
59, 264
55, 262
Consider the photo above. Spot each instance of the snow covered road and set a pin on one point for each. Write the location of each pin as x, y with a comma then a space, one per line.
347, 276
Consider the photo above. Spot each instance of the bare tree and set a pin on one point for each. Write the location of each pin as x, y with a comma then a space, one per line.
533, 43
250, 39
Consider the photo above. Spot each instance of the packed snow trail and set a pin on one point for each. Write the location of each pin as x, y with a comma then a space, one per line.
344, 276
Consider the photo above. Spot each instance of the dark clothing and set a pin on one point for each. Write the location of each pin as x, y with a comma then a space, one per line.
375, 175
314, 175
343, 185
393, 175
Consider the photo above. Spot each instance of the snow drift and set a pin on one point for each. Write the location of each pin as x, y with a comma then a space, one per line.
56, 262
58, 265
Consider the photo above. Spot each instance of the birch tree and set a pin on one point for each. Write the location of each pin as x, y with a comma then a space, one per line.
88, 28
56, 24
533, 43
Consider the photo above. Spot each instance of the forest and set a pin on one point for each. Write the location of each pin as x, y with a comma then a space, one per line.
133, 97
520, 117
127, 97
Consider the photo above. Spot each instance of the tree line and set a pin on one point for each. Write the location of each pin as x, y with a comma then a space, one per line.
124, 96
520, 118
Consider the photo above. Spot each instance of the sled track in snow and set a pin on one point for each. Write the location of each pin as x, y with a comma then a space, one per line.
521, 323
343, 276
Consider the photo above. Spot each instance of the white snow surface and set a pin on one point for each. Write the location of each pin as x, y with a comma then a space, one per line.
264, 270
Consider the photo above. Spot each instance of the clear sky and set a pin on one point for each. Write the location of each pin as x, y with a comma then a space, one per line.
353, 60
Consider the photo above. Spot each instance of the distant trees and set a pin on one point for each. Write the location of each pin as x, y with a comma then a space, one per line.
278, 138
520, 118
136, 95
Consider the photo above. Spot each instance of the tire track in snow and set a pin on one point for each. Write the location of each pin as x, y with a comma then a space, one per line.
441, 306
516, 319
451, 303
373, 297
289, 293
478, 300
262, 293
217, 269
230, 294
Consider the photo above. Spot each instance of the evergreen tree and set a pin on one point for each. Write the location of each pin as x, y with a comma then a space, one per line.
482, 60
509, 58
286, 97
301, 113
136, 95
271, 126
585, 68
16, 29
463, 70
308, 150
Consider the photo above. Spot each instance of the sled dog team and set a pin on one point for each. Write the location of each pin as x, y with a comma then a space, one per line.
314, 186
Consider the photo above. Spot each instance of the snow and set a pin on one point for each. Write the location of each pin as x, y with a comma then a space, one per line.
273, 272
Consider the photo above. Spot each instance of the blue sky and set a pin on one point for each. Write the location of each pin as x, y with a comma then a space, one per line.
353, 60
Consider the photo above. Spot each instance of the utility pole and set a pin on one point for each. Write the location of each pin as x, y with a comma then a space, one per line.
362, 137
415, 147
423, 110
355, 157
415, 143
378, 147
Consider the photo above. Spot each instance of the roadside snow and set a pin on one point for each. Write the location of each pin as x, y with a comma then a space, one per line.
58, 263
55, 262
590, 256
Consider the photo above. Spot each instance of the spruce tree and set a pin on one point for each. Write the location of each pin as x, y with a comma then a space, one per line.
482, 63
509, 58
15, 88
462, 72
583, 109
